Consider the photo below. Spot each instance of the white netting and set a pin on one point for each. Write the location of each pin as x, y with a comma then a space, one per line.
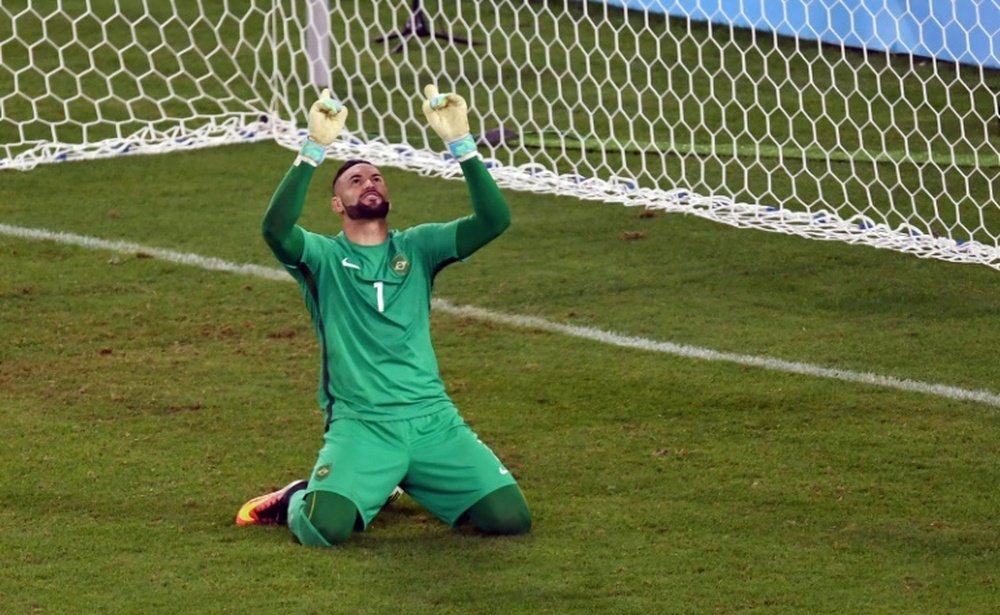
578, 98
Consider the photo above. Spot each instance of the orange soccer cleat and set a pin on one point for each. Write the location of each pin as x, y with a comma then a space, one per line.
270, 508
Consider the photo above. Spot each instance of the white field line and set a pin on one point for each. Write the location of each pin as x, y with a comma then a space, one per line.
529, 322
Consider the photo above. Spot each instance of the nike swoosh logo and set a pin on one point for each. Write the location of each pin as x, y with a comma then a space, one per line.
347, 263
504, 471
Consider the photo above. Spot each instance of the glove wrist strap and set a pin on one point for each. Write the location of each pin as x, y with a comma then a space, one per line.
312, 153
463, 147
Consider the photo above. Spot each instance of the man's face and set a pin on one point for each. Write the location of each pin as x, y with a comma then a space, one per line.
361, 193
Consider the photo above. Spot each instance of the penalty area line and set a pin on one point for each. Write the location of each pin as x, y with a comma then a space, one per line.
530, 322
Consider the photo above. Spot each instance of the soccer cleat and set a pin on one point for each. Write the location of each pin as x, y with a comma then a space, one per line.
270, 508
398, 491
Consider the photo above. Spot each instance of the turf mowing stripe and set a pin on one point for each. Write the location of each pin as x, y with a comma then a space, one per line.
529, 322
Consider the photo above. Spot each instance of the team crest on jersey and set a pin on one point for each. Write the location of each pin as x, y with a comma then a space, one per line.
323, 471
400, 266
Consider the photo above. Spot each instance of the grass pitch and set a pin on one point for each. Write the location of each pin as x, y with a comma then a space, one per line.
142, 402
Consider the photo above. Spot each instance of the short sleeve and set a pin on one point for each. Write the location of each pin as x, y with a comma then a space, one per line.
313, 246
436, 243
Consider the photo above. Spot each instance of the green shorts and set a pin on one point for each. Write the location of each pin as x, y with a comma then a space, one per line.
436, 458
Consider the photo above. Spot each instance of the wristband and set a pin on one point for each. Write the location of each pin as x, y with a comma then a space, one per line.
312, 153
463, 147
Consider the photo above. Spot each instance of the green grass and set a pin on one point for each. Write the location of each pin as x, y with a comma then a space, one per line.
142, 402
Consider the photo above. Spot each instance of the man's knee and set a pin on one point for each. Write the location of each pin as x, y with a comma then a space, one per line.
503, 512
509, 523
332, 515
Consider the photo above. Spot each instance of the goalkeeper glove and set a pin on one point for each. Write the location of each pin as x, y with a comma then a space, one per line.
448, 115
326, 119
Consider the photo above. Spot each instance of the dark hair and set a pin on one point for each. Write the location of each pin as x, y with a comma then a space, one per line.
343, 169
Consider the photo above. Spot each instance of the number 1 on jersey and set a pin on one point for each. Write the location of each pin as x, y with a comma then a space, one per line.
379, 298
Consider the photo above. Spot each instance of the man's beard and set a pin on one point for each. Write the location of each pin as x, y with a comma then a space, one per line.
378, 211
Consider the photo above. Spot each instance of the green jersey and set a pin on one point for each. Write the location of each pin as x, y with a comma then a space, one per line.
371, 309
370, 305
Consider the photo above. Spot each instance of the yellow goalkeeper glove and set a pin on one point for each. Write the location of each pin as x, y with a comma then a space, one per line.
448, 115
326, 119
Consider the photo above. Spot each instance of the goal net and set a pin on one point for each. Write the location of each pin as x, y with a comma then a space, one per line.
745, 126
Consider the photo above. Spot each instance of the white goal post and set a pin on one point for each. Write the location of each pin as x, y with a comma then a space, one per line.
649, 107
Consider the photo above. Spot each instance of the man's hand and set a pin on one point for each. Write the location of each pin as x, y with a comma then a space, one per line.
448, 115
326, 119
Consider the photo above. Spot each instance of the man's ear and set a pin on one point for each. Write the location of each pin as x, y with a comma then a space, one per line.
336, 205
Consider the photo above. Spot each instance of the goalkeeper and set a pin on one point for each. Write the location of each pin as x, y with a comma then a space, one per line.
389, 420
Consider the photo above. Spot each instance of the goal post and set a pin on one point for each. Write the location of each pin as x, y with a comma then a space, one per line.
318, 43
730, 117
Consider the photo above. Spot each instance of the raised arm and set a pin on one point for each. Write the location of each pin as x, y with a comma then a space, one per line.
282, 234
491, 215
448, 115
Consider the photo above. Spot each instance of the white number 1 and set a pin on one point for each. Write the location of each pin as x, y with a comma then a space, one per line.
378, 296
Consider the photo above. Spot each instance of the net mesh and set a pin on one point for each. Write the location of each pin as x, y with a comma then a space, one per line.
578, 98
